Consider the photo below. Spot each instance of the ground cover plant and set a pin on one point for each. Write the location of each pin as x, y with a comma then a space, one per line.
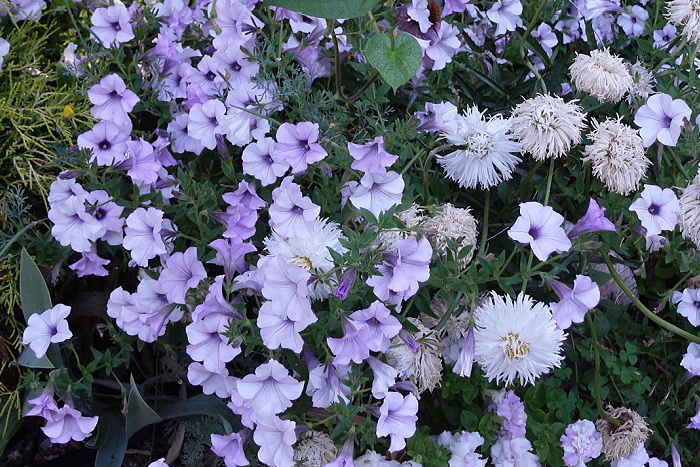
365, 233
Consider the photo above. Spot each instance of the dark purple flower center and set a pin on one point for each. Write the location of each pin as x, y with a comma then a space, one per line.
534, 232
297, 210
116, 26
210, 76
696, 304
99, 213
114, 94
104, 145
654, 209
236, 66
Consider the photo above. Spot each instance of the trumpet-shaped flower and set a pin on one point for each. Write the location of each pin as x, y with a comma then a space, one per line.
270, 385
112, 100
275, 438
69, 424
46, 328
657, 209
230, 447
402, 271
594, 220
688, 304
661, 119
375, 192
573, 304
371, 157
297, 145
291, 213
143, 235
398, 416
182, 272
208, 345
112, 25
540, 227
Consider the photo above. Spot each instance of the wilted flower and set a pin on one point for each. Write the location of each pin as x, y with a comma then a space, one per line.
546, 126
422, 366
643, 84
689, 213
315, 450
621, 441
455, 224
601, 74
685, 14
617, 156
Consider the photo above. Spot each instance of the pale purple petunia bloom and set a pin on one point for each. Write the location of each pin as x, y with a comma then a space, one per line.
381, 323
384, 377
546, 37
141, 164
143, 235
296, 144
347, 280
91, 264
437, 117
112, 100
182, 272
44, 404
107, 142
573, 304
230, 447
231, 256
215, 302
375, 193
661, 119
508, 451
112, 26
275, 438
181, 139
444, 43
291, 213
540, 227
593, 221
593, 9
353, 346
664, 36
212, 382
270, 385
695, 420
657, 209
208, 345
44, 329
402, 271
506, 14
261, 161
72, 225
691, 359
398, 419
345, 458
418, 11
102, 207
463, 366
325, 386
371, 157
633, 24
205, 121
287, 285
277, 329
688, 304
69, 424
581, 443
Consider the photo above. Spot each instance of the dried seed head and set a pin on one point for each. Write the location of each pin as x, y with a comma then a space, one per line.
622, 441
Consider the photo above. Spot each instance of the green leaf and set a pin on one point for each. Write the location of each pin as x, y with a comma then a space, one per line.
34, 295
329, 9
113, 437
28, 359
202, 405
397, 58
139, 414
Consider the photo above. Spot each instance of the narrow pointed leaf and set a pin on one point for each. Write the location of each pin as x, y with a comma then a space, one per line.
139, 413
33, 293
28, 359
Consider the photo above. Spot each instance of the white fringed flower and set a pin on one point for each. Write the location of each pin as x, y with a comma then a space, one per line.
386, 239
316, 450
602, 74
484, 155
423, 367
452, 223
310, 253
686, 14
689, 215
546, 126
516, 338
617, 156
643, 82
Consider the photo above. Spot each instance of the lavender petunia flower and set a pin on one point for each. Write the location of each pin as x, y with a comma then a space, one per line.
506, 14
208, 345
345, 458
287, 285
230, 447
143, 235
212, 382
657, 209
271, 385
215, 302
444, 43
277, 329
231, 256
69, 424
107, 142
325, 385
91, 264
296, 144
384, 377
398, 416
382, 325
72, 225
691, 359
291, 214
262, 162
141, 164
44, 329
376, 193
353, 346
182, 272
573, 304
101, 206
638, 457
112, 25
402, 271
694, 421
371, 157
688, 304
438, 117
581, 443
44, 404
347, 280
206, 120
275, 438
593, 221
661, 119
540, 227
112, 100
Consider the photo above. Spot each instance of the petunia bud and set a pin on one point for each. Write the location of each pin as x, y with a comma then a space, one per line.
346, 283
410, 341
594, 220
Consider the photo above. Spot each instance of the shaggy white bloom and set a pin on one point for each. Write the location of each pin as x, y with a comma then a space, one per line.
316, 450
311, 253
617, 156
422, 367
516, 338
686, 14
643, 82
601, 74
452, 223
386, 239
484, 155
689, 214
546, 126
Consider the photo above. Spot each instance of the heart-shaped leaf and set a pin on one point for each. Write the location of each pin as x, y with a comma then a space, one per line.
329, 9
397, 58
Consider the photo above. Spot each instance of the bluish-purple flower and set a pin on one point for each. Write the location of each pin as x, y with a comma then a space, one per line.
401, 272
398, 416
371, 157
661, 119
540, 227
573, 303
182, 272
112, 100
107, 142
594, 220
112, 25
297, 145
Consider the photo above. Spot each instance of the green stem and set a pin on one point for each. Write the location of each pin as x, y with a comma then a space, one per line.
675, 158
596, 376
338, 85
550, 175
674, 54
647, 312
449, 312
485, 226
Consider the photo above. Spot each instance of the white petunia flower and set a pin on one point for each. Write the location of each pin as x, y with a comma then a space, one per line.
310, 253
547, 126
484, 155
516, 338
601, 74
